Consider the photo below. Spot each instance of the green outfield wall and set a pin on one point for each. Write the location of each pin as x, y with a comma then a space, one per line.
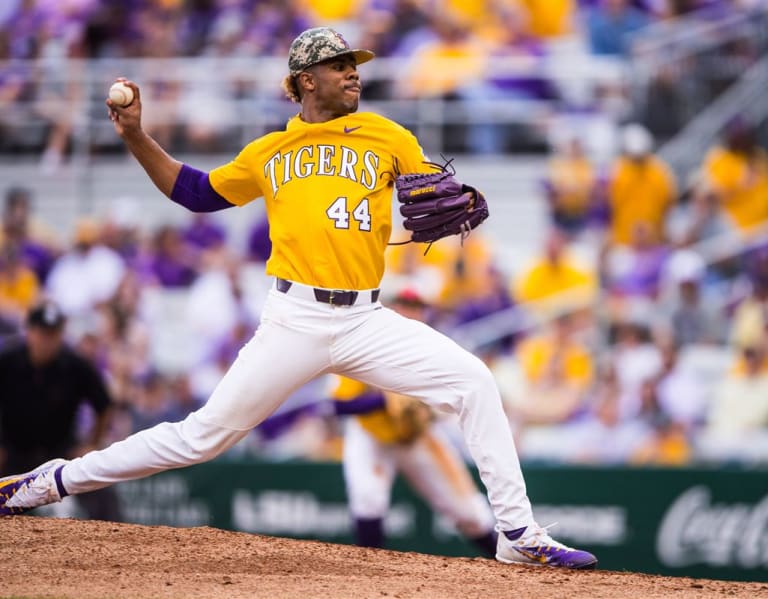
709, 523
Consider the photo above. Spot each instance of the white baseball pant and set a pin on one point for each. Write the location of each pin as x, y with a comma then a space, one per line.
299, 339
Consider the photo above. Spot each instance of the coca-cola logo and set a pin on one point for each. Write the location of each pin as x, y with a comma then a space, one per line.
696, 531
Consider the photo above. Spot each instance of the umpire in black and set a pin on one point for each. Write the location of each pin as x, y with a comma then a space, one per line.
43, 383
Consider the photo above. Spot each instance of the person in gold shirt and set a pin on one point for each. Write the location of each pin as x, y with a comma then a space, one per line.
327, 183
557, 369
736, 173
570, 185
455, 59
549, 388
549, 18
737, 415
19, 288
555, 281
641, 188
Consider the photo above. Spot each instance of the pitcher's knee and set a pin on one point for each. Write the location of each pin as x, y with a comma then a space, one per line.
479, 377
205, 441
199, 453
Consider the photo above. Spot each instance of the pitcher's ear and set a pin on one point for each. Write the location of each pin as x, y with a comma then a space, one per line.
306, 81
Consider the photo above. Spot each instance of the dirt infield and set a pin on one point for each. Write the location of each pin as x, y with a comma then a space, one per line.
43, 557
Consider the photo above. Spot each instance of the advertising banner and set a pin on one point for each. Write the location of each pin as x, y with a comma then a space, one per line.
703, 523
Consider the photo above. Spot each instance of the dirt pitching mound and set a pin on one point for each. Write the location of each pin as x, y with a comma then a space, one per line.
45, 557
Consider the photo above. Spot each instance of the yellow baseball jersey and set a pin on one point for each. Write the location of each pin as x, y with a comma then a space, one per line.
378, 423
328, 194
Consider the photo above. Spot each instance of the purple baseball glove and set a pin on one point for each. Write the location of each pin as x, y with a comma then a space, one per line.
436, 205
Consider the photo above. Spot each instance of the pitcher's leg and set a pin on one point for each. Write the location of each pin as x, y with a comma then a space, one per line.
273, 364
162, 447
408, 357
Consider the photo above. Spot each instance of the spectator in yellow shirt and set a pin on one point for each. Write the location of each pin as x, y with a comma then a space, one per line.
737, 420
19, 288
333, 10
444, 66
469, 272
556, 281
641, 187
570, 186
557, 371
736, 173
740, 404
749, 323
549, 18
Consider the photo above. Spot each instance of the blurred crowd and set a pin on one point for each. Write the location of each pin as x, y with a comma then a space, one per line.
654, 347
636, 334
474, 54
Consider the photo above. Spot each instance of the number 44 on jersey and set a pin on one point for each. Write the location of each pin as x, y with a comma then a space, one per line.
339, 213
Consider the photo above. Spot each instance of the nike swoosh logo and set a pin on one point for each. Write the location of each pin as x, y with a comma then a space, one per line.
351, 129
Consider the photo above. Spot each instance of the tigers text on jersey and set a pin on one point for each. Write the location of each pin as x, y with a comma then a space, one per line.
328, 194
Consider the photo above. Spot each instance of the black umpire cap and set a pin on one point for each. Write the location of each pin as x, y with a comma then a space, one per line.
47, 315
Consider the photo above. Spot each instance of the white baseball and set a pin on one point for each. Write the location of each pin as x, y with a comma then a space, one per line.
121, 94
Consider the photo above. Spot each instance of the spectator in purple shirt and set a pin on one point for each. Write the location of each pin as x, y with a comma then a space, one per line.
259, 243
172, 262
203, 233
18, 227
635, 270
272, 26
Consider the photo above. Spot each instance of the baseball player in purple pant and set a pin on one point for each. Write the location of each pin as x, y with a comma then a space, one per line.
327, 183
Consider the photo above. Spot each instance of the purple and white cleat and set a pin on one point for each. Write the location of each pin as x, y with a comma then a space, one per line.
533, 545
20, 493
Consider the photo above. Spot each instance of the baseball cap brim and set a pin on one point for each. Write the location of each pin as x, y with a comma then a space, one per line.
362, 56
359, 55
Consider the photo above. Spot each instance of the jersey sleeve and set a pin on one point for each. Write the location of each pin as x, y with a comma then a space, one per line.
410, 157
237, 181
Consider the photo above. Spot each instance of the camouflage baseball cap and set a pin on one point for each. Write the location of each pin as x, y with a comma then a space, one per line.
319, 44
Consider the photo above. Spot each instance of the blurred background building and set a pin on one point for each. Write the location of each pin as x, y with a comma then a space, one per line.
618, 291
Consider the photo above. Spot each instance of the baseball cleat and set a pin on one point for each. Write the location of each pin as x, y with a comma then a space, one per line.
22, 492
533, 545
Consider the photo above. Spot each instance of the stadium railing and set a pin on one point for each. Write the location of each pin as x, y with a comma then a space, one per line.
242, 96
